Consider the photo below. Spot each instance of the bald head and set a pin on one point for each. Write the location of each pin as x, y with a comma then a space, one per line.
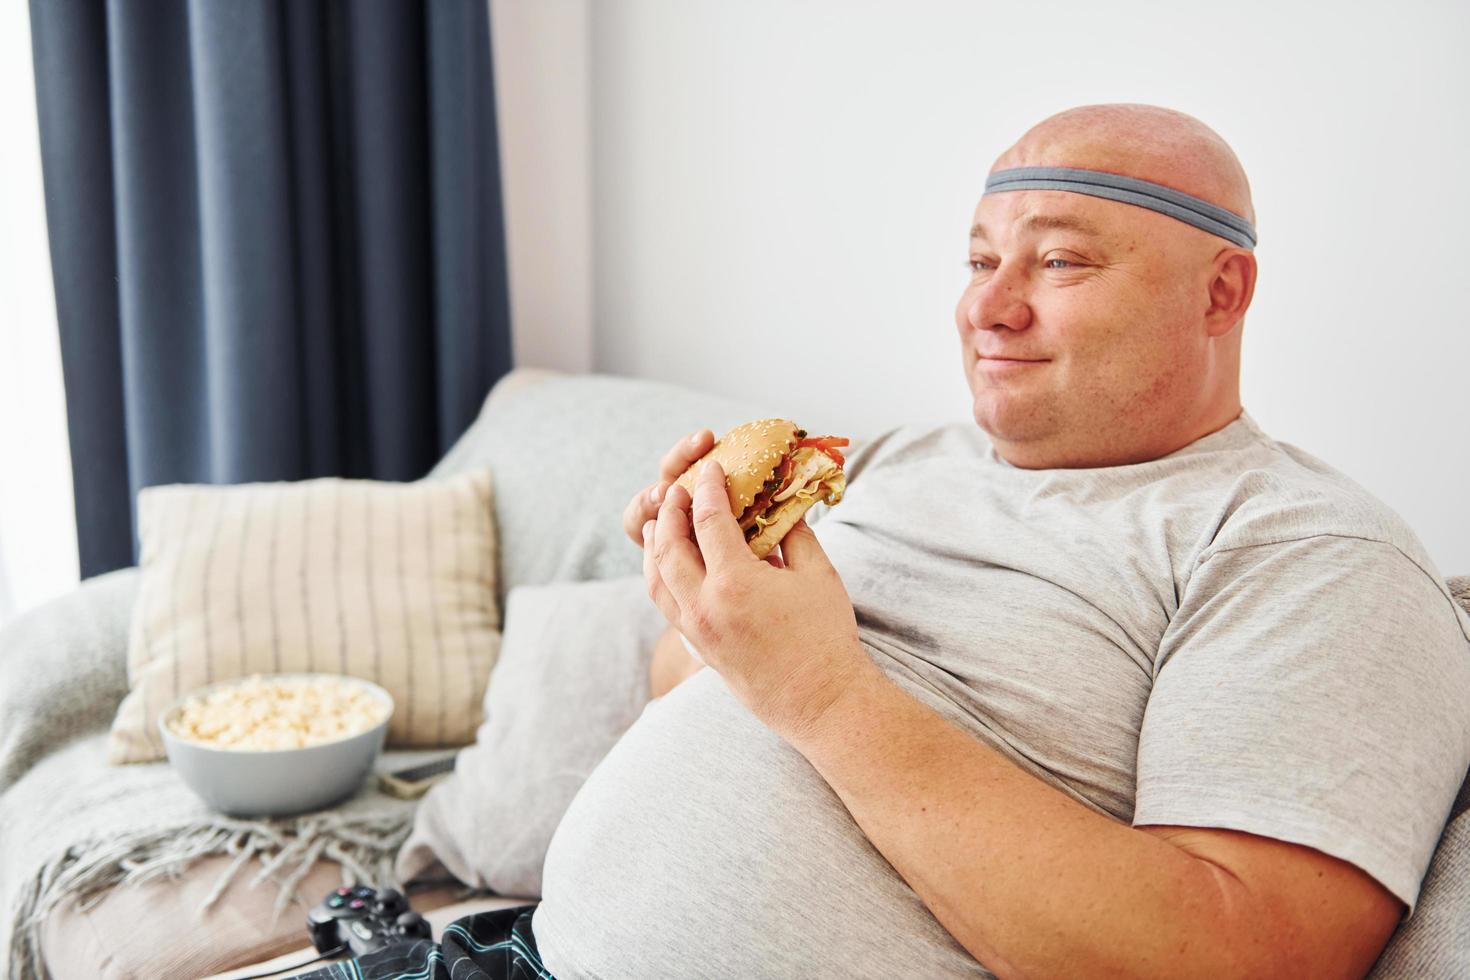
1098, 332
1149, 142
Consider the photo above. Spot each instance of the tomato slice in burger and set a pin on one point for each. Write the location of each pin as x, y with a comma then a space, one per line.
828, 445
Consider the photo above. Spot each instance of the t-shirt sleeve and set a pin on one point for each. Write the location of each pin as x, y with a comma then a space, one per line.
1315, 691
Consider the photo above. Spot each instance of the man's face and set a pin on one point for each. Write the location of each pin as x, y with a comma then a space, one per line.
1099, 304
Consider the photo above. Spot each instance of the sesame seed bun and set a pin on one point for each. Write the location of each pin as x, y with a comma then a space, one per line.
748, 454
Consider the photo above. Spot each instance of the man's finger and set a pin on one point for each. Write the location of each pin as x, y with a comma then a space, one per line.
641, 509
720, 539
679, 561
800, 548
685, 452
657, 590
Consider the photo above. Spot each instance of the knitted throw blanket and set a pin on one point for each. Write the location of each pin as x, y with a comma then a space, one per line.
73, 826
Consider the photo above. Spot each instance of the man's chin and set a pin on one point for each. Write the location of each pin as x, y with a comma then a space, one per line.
1005, 417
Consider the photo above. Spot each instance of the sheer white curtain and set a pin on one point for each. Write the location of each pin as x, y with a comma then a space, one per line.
38, 546
7, 601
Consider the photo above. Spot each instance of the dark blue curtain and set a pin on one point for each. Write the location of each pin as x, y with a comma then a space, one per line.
277, 240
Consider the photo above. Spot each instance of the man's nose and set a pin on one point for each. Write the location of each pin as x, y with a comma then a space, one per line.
999, 303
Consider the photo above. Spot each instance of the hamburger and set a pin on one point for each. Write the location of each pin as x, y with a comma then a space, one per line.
774, 473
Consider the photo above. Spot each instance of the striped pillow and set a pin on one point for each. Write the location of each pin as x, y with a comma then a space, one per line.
391, 582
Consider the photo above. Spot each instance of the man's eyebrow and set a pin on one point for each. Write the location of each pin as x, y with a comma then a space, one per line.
1045, 222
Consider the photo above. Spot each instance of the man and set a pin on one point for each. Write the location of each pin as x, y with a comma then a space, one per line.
1108, 684
1126, 689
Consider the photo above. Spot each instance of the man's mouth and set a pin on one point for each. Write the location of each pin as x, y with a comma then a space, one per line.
1007, 357
1000, 362
997, 368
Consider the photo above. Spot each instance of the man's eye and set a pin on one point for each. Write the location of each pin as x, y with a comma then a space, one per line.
979, 265
1058, 264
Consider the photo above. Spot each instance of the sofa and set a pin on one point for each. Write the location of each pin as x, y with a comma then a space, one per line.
566, 452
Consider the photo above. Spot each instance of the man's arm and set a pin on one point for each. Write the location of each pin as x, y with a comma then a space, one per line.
671, 664
1035, 884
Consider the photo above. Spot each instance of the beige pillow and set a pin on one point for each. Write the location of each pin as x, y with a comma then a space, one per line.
390, 582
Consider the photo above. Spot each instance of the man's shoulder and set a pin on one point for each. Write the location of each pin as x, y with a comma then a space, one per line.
1292, 527
1288, 497
1287, 494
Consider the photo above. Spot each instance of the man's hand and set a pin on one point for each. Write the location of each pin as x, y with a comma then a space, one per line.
784, 639
644, 505
671, 663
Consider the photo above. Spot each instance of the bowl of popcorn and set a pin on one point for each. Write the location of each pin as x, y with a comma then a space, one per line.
276, 744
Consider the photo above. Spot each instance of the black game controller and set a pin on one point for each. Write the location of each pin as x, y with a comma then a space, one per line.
364, 920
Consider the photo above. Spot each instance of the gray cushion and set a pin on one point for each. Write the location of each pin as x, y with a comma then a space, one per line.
572, 677
63, 670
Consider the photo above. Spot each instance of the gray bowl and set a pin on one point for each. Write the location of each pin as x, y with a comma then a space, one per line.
275, 782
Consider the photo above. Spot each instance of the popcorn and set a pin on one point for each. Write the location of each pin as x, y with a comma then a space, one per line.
263, 714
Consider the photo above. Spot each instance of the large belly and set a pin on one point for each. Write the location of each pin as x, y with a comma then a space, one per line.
704, 845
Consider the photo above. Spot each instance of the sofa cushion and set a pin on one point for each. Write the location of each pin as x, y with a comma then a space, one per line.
64, 670
159, 928
390, 582
572, 677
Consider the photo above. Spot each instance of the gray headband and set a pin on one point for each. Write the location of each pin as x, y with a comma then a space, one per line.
1129, 190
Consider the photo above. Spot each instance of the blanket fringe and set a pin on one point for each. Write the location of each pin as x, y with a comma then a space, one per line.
364, 846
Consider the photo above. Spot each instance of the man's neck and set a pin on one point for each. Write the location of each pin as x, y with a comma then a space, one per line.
1148, 446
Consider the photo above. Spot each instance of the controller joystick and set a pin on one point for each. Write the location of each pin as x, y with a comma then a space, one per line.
389, 903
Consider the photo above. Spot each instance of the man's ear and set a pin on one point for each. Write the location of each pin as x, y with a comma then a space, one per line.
1231, 288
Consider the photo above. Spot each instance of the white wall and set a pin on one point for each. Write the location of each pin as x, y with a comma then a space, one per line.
543, 99
782, 190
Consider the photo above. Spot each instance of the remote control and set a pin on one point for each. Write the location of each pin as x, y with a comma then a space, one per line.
413, 782
364, 920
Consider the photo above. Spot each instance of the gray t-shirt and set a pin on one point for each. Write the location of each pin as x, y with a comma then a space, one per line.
1235, 635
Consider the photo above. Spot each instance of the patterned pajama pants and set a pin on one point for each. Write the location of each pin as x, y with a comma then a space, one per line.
488, 946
